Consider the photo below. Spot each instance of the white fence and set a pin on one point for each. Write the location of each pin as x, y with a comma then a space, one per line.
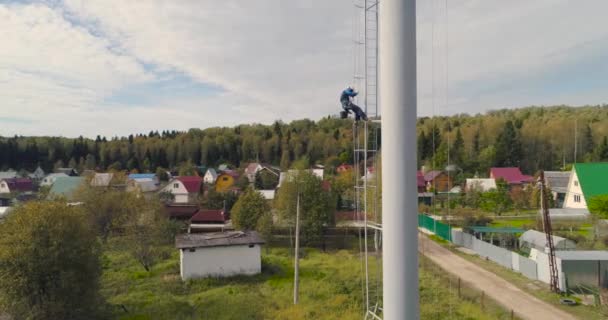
504, 257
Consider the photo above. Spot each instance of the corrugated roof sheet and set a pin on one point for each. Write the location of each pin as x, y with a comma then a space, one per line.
217, 239
65, 186
539, 240
142, 176
557, 180
588, 255
511, 174
592, 178
191, 183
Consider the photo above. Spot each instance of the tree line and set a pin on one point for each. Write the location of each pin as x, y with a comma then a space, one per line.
532, 138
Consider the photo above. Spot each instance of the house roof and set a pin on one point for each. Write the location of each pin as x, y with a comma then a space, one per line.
431, 175
56, 175
252, 168
483, 184
483, 229
136, 176
420, 179
223, 167
205, 216
65, 186
181, 211
19, 184
145, 184
37, 174
211, 172
68, 171
557, 181
539, 239
8, 174
191, 183
592, 178
102, 179
510, 174
585, 255
217, 239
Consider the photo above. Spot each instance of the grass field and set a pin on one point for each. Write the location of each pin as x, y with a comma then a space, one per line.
330, 289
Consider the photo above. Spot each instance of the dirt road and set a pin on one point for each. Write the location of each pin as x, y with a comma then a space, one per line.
524, 305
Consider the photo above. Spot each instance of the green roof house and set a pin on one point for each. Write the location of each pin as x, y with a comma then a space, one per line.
587, 181
65, 187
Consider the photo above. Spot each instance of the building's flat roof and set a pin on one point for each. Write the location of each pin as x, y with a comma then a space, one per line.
217, 239
588, 255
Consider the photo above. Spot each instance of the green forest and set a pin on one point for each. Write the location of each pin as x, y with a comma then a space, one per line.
532, 138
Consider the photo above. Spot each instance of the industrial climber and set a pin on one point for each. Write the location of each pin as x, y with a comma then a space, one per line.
348, 105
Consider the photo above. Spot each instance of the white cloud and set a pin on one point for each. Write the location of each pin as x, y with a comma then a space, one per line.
60, 62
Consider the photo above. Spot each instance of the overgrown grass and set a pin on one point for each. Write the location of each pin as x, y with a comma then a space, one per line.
330, 288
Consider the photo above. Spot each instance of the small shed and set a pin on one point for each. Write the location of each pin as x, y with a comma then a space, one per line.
538, 240
220, 254
582, 269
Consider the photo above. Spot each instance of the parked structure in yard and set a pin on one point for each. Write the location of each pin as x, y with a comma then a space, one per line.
50, 179
208, 220
210, 176
438, 181
102, 180
586, 181
185, 189
557, 182
16, 185
538, 240
219, 254
65, 187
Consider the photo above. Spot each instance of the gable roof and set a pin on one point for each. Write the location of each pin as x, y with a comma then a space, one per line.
592, 178
431, 175
102, 179
557, 181
510, 174
191, 183
217, 239
65, 186
19, 184
180, 211
211, 172
252, 168
205, 216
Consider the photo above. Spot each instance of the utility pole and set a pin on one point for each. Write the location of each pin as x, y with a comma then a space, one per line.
296, 273
397, 84
553, 280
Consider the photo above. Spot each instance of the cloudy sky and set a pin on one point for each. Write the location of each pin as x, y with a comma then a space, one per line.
115, 67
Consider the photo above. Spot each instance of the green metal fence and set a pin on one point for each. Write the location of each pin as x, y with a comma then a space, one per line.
439, 228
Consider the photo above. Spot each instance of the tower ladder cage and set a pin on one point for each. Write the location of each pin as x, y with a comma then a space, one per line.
366, 147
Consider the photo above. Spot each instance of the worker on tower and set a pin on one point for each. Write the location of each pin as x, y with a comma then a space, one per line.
348, 105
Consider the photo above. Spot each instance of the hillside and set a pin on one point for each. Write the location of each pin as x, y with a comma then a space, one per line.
532, 137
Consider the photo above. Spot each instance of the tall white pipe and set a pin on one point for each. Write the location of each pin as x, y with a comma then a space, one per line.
397, 93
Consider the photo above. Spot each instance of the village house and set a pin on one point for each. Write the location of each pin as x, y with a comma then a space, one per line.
37, 175
209, 220
220, 254
513, 176
50, 179
226, 180
65, 187
16, 185
181, 211
586, 181
10, 174
101, 180
144, 186
480, 184
251, 170
557, 182
185, 189
438, 181
210, 176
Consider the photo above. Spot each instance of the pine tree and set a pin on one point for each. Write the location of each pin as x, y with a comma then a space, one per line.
587, 144
508, 147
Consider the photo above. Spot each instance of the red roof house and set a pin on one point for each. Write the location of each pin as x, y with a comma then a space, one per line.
209, 216
420, 181
512, 175
181, 212
191, 183
16, 185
